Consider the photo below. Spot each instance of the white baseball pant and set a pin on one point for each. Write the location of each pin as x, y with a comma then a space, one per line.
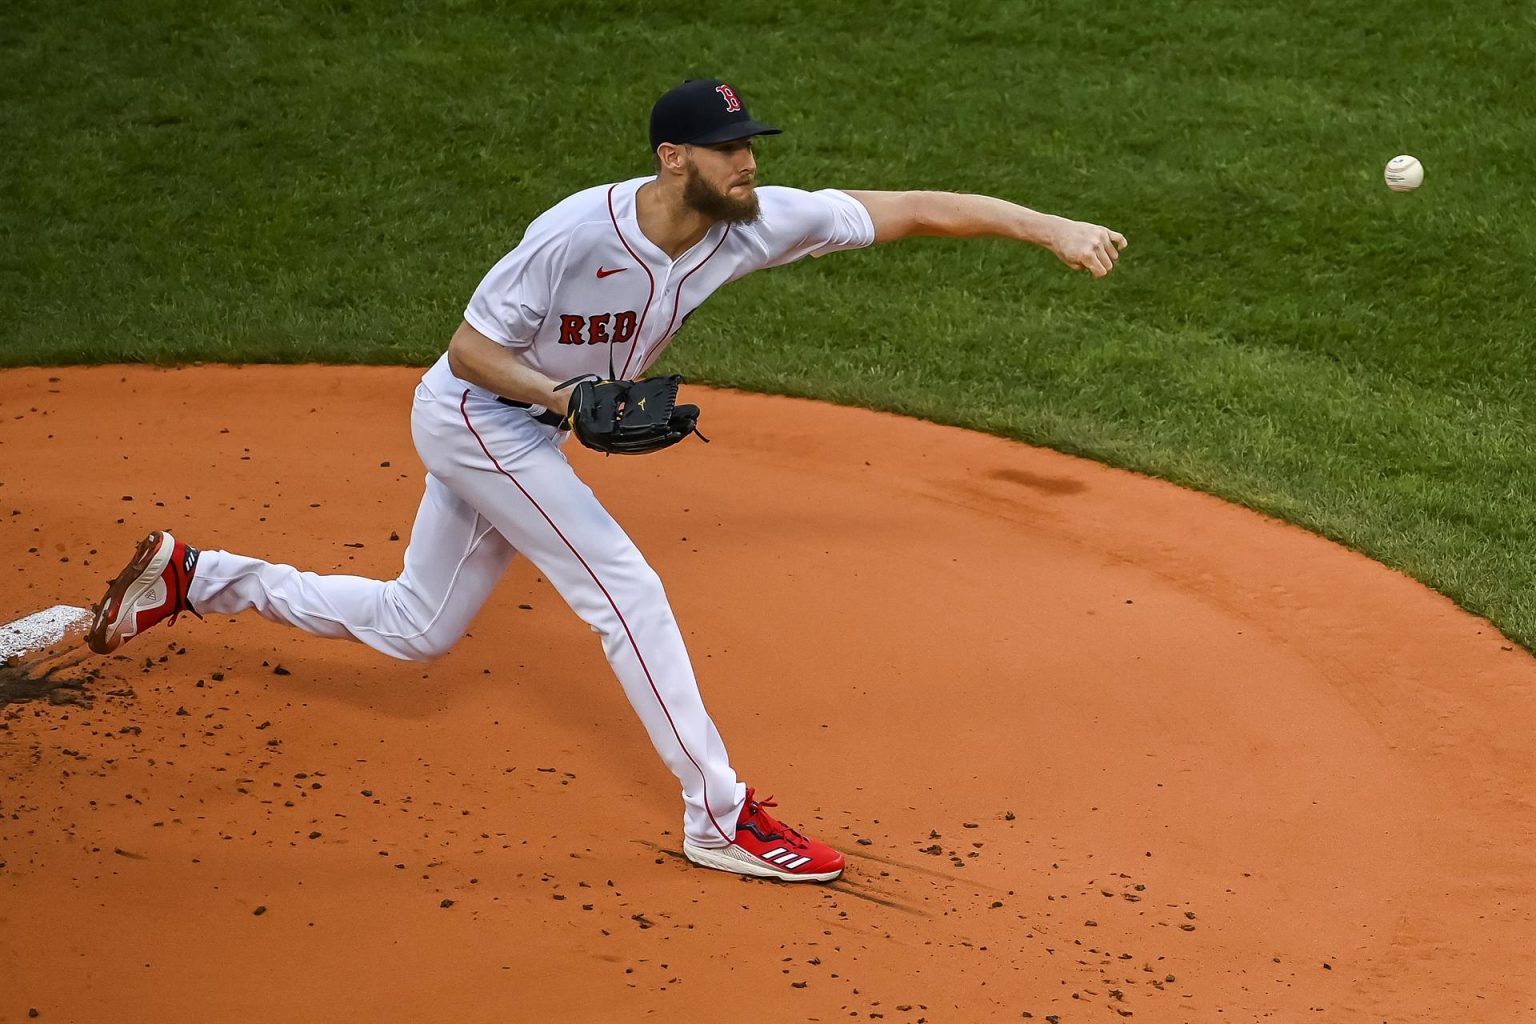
498, 485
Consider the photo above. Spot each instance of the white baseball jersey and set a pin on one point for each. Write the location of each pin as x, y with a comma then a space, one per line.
584, 278
583, 284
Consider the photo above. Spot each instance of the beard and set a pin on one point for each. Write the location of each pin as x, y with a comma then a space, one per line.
702, 197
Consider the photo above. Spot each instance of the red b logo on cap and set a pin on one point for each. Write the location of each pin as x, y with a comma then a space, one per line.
732, 104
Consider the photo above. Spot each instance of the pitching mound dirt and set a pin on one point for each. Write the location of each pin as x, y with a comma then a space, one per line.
1094, 746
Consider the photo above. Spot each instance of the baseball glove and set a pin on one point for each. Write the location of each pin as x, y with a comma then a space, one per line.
630, 417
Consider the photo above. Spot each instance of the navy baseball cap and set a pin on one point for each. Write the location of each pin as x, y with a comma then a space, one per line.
702, 112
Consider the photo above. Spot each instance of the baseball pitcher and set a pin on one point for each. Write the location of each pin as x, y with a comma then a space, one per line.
556, 341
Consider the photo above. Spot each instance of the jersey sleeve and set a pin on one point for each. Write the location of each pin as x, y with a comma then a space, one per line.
796, 223
513, 299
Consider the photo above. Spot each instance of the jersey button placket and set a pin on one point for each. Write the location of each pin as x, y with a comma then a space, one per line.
634, 363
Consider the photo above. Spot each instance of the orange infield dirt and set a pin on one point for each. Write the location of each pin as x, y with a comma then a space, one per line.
1094, 746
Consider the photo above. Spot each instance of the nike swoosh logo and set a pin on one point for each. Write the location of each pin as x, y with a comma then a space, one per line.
604, 273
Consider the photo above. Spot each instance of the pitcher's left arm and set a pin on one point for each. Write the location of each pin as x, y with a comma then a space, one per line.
1078, 244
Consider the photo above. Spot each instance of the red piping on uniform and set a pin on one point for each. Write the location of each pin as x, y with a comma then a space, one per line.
644, 310
703, 780
677, 296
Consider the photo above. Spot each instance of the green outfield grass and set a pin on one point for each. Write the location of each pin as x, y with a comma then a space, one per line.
261, 181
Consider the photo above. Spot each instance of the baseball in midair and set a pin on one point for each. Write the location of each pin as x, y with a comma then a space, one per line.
1404, 173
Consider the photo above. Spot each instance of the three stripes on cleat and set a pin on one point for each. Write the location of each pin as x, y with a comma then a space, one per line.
780, 857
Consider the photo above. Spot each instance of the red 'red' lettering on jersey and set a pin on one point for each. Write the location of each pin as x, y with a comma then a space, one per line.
732, 104
599, 329
623, 326
570, 328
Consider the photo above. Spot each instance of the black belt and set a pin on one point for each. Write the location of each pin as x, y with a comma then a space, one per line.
548, 417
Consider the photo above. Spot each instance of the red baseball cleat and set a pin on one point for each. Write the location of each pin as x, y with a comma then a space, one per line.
151, 588
767, 848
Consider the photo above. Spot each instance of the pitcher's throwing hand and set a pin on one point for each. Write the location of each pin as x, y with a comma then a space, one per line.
1084, 246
